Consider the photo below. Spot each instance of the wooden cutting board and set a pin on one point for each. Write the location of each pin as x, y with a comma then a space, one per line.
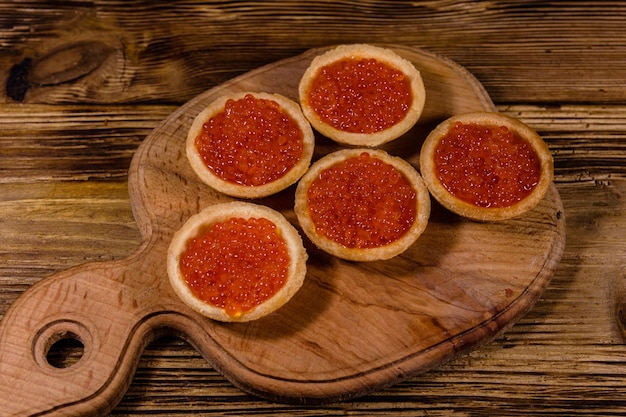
353, 327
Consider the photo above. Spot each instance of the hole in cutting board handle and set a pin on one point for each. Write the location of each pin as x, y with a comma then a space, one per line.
65, 352
62, 344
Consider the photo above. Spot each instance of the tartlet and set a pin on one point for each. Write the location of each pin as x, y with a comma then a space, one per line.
361, 95
236, 261
362, 204
250, 144
486, 166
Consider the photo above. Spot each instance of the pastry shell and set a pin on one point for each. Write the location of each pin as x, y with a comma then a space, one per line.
468, 210
422, 202
380, 54
195, 225
244, 191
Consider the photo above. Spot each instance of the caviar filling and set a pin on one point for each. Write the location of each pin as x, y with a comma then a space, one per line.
236, 264
360, 95
251, 142
362, 202
487, 166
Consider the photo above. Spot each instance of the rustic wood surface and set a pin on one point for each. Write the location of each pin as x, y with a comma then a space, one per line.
86, 82
352, 329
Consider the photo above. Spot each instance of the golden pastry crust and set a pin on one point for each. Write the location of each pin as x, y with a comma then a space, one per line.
358, 51
471, 211
422, 203
221, 212
244, 191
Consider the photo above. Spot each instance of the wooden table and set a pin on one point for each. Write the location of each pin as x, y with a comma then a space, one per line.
86, 82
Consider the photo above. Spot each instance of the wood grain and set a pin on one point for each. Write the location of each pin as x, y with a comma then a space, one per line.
352, 329
568, 349
191, 49
557, 66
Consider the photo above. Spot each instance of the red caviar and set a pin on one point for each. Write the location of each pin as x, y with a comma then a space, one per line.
237, 264
362, 202
251, 142
487, 166
360, 95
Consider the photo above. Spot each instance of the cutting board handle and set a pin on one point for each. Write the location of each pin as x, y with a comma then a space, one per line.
111, 309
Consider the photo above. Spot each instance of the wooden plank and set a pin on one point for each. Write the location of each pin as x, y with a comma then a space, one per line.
48, 227
98, 142
588, 143
52, 143
550, 52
